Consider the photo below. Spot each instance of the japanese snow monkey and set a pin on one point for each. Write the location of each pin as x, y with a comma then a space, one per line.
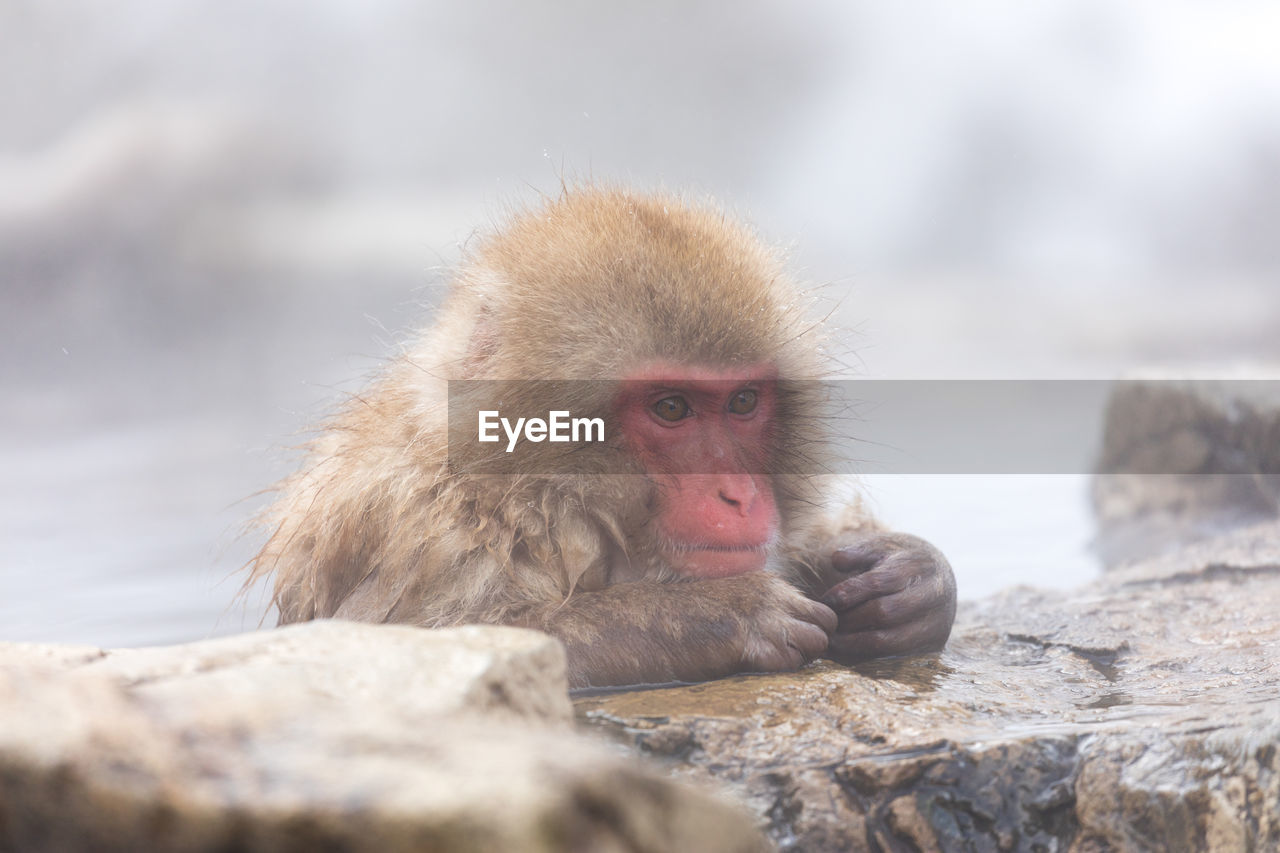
685, 539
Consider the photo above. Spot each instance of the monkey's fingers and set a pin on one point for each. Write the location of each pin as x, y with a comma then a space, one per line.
866, 553
808, 639
817, 613
785, 645
861, 555
911, 604
928, 635
893, 575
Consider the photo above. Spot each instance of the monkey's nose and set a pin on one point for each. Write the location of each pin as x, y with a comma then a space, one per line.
739, 492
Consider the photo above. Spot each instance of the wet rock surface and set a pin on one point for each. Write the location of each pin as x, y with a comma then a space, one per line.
1141, 712
1183, 461
325, 736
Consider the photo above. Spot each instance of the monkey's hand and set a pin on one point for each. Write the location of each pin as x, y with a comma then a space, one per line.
899, 598
782, 629
646, 632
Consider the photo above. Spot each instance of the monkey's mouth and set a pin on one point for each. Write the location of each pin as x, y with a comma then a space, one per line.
716, 560
679, 547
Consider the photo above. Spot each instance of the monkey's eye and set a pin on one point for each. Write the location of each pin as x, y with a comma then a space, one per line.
744, 402
671, 408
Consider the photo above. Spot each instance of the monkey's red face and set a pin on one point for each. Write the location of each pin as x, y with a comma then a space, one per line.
703, 436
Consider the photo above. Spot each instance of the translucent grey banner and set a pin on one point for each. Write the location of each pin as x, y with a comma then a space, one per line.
870, 427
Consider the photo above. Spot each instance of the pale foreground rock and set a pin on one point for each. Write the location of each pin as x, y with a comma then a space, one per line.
1141, 712
331, 736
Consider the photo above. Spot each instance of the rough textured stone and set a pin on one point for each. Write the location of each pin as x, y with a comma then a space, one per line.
330, 736
492, 670
1183, 461
1139, 712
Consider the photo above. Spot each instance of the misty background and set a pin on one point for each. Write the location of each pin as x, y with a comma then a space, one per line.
218, 218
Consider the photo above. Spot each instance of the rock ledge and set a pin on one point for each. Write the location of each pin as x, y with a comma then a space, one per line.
1141, 712
331, 736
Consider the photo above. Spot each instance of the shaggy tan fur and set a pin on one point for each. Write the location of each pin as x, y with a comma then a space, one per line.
378, 525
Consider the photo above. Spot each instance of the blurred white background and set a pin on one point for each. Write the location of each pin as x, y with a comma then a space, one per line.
217, 217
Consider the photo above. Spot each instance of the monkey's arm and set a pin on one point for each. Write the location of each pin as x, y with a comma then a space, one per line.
654, 632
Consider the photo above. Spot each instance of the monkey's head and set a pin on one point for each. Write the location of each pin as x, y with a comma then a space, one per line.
689, 340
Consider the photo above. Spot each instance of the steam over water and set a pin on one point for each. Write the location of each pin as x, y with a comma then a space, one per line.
215, 222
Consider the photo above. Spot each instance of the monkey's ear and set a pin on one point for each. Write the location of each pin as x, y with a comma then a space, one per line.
482, 344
